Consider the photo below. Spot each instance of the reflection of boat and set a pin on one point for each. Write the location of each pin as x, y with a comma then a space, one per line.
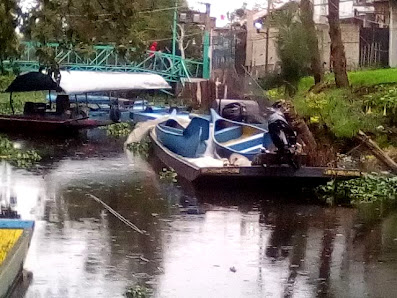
236, 137
15, 237
40, 117
189, 141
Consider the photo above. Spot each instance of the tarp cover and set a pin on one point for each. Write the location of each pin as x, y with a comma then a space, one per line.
78, 82
32, 81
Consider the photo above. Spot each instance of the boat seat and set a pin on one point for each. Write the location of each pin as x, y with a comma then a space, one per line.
228, 133
171, 129
34, 108
197, 124
253, 149
172, 124
246, 143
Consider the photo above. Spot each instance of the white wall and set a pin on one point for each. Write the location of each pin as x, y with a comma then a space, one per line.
393, 35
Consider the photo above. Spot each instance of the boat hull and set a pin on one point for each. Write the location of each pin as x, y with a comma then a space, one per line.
11, 267
46, 125
241, 177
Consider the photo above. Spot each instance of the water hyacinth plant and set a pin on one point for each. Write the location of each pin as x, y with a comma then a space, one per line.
141, 147
168, 175
122, 129
138, 292
367, 189
15, 156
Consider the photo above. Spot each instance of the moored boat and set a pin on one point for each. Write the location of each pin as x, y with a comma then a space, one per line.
187, 142
41, 118
205, 171
15, 238
236, 137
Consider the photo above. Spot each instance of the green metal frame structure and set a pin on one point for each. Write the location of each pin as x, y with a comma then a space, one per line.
105, 58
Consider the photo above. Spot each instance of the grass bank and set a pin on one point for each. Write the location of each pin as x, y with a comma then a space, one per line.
369, 105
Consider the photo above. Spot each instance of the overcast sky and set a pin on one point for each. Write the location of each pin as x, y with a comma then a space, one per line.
221, 7
218, 7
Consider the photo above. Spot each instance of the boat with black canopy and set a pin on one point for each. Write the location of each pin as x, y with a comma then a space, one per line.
42, 117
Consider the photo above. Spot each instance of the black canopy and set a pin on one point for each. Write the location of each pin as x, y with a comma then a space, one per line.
33, 81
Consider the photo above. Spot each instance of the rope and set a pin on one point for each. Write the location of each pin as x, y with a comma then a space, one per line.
117, 215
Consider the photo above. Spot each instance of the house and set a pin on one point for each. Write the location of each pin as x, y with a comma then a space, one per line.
364, 27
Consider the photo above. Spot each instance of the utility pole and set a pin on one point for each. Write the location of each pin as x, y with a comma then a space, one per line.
175, 21
207, 33
269, 3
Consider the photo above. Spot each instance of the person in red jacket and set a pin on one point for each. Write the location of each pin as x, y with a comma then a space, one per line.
153, 48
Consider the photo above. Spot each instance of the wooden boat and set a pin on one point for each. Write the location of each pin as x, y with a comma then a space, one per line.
245, 176
39, 116
47, 124
187, 142
15, 237
235, 137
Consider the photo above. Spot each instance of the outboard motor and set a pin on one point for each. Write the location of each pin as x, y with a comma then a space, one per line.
171, 109
235, 111
114, 113
283, 136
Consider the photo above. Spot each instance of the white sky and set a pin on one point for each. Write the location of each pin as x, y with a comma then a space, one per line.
221, 7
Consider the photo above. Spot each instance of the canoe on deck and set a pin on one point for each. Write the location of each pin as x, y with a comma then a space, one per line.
236, 137
187, 142
246, 176
15, 237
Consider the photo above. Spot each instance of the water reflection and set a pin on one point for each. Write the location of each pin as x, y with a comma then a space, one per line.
205, 243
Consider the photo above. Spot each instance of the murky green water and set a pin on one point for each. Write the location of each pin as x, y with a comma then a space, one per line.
197, 244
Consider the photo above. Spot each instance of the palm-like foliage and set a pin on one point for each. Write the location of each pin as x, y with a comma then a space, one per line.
292, 46
9, 13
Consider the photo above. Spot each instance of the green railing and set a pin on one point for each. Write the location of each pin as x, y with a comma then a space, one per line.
106, 58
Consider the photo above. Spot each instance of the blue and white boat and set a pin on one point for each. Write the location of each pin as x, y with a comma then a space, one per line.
15, 240
235, 137
186, 142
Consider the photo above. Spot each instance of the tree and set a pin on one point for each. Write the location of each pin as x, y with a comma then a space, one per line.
312, 41
338, 57
8, 38
128, 25
292, 47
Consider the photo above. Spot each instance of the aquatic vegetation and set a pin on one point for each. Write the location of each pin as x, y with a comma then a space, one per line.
141, 147
8, 238
138, 292
122, 129
366, 189
168, 175
15, 156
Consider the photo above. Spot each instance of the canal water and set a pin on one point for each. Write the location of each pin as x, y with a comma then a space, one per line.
203, 243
